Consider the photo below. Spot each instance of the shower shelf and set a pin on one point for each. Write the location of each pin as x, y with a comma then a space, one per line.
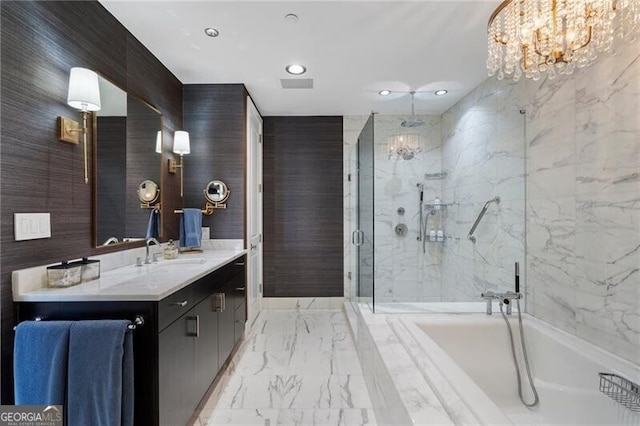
434, 206
621, 390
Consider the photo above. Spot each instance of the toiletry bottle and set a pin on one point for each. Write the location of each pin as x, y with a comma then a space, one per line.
440, 234
436, 204
432, 235
171, 251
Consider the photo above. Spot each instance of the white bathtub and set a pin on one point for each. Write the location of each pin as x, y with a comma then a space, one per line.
469, 356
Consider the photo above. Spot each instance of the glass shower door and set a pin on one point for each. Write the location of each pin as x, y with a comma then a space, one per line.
363, 236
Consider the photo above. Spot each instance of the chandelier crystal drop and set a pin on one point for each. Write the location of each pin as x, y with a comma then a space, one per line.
537, 37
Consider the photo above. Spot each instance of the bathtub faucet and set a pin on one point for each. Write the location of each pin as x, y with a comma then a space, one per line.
505, 298
489, 297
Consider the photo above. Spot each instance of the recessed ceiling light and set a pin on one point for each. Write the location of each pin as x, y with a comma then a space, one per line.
384, 92
440, 92
211, 32
291, 18
296, 69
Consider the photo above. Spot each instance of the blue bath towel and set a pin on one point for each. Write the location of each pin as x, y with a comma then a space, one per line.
100, 373
40, 362
191, 228
153, 227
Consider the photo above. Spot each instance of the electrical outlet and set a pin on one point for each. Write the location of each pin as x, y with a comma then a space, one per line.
206, 233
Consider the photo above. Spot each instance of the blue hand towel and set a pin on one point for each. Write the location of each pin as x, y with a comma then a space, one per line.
40, 362
153, 227
100, 373
191, 228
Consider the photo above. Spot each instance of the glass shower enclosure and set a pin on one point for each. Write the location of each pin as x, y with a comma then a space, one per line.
412, 242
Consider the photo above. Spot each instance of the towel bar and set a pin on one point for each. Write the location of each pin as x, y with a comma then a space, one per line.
138, 321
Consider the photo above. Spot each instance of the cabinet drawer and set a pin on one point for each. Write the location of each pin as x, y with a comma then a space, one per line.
213, 282
174, 306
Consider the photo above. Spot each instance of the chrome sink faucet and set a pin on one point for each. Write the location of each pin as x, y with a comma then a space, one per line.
148, 243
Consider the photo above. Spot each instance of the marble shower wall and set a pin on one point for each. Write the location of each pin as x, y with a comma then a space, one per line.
402, 272
483, 153
583, 202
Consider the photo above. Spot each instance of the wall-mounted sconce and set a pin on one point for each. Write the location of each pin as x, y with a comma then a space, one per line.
84, 95
181, 146
159, 142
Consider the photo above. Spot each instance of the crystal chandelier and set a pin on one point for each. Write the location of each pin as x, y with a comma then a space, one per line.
404, 145
534, 37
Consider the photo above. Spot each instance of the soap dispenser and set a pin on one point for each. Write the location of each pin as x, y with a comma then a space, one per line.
171, 250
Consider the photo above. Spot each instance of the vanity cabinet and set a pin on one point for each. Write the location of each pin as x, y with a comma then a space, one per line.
186, 339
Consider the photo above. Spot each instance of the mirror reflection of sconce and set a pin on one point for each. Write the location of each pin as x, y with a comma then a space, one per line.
148, 194
84, 95
216, 193
159, 142
181, 146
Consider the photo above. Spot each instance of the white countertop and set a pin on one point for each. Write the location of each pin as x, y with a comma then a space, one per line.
151, 282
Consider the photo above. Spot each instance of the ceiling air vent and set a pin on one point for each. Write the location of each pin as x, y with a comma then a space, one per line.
296, 83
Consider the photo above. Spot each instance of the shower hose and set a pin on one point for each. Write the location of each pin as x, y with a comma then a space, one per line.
526, 358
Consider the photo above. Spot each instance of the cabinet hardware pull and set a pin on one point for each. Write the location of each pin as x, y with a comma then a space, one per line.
197, 332
218, 302
254, 246
181, 304
239, 263
240, 288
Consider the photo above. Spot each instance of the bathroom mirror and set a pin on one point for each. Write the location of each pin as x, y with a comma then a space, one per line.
127, 142
216, 192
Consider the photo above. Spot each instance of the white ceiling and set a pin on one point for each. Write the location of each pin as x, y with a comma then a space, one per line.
352, 49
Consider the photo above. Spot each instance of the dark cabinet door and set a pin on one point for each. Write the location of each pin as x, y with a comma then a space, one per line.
237, 287
176, 393
226, 338
206, 344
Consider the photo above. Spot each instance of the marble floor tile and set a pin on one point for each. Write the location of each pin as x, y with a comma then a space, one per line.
327, 417
296, 368
244, 417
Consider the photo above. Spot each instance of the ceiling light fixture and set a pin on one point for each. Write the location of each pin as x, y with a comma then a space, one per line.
211, 32
296, 69
534, 37
384, 92
440, 92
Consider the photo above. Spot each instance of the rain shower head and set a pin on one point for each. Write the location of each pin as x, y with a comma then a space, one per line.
413, 121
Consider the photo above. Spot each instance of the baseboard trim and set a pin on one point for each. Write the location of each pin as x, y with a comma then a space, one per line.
302, 303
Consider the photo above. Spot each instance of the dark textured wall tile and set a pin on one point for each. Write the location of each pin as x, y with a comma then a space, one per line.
303, 216
215, 117
40, 42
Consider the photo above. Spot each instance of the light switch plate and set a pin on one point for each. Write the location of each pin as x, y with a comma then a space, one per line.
31, 226
206, 233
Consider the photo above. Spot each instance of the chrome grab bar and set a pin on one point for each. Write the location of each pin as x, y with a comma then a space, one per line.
482, 212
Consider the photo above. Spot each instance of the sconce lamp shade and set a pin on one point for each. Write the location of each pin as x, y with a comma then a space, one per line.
159, 142
181, 144
84, 92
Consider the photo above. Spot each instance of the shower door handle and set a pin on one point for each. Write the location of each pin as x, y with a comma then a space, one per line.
357, 238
